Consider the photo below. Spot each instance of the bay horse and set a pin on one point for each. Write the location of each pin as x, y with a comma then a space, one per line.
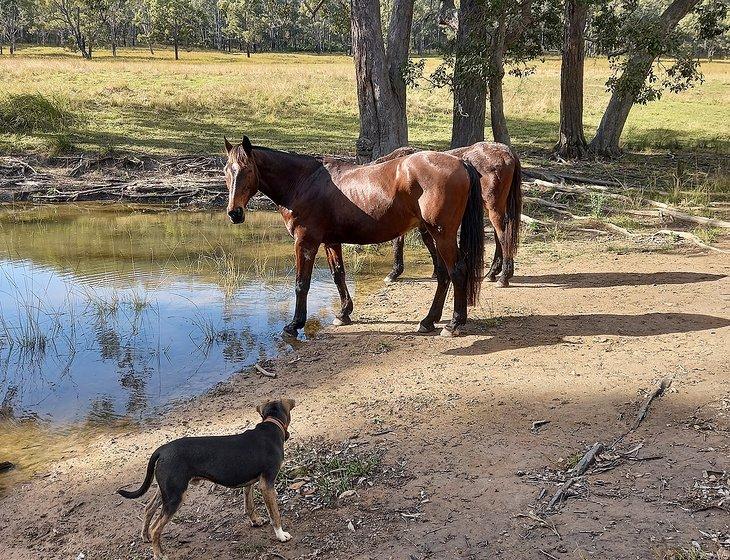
501, 179
330, 202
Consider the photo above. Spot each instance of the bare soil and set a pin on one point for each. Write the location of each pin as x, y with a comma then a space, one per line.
579, 340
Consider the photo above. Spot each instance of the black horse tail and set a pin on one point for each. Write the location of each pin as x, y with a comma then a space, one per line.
471, 238
147, 479
512, 217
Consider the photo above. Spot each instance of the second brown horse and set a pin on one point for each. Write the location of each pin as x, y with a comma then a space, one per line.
333, 202
501, 178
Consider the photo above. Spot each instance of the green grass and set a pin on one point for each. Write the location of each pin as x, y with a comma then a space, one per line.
33, 112
143, 103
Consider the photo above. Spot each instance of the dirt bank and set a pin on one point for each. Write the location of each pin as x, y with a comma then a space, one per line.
580, 340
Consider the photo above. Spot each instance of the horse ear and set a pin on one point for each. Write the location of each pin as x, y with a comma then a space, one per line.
229, 146
247, 147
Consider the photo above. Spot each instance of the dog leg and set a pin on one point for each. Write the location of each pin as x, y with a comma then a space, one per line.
171, 502
149, 513
163, 520
269, 493
256, 519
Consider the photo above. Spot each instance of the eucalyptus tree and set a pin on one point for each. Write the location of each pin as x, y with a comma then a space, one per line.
174, 22
379, 72
571, 138
14, 16
649, 53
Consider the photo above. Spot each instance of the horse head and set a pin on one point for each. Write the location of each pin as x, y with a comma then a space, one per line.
242, 178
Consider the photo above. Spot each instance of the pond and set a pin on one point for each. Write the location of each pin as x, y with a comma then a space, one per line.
109, 312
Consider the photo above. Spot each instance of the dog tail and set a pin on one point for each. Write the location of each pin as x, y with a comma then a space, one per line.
147, 479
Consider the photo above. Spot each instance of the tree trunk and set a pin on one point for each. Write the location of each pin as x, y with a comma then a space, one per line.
399, 33
572, 142
470, 84
606, 141
177, 56
500, 132
383, 125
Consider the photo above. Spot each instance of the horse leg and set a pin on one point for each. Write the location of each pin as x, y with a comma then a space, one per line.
439, 298
449, 251
431, 246
497, 262
398, 265
337, 268
305, 251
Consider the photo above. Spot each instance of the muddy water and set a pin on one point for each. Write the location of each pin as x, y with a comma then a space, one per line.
108, 313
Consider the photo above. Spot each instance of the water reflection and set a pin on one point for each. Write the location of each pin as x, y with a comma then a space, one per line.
107, 312
102, 329
66, 351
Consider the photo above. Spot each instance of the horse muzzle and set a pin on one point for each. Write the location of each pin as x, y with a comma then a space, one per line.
236, 215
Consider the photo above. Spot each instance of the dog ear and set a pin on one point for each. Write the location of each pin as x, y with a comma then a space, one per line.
288, 404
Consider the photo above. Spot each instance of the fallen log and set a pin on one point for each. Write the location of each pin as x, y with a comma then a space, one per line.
701, 220
661, 206
690, 237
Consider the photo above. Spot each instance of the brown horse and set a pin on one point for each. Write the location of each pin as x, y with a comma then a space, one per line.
501, 178
333, 202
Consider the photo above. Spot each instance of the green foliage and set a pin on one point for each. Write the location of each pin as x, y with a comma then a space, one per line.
59, 144
34, 113
624, 29
531, 30
174, 21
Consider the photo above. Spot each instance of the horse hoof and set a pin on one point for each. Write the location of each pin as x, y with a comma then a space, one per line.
340, 321
503, 283
447, 332
389, 279
422, 329
491, 278
290, 334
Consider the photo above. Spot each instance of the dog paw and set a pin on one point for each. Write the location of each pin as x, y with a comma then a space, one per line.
258, 522
282, 535
146, 537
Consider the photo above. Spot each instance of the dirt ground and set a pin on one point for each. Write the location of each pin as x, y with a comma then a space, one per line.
580, 340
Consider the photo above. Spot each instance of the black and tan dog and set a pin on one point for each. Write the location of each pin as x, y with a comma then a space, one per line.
234, 461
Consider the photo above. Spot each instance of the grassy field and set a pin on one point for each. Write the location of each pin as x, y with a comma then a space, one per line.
152, 104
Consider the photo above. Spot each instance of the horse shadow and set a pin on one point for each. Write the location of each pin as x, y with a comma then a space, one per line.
612, 279
513, 333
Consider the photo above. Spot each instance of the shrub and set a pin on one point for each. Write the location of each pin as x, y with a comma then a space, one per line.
34, 113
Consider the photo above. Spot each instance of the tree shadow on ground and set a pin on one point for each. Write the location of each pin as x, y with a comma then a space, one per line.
610, 279
512, 333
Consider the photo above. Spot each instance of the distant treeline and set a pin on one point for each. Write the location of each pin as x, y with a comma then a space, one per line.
250, 25
227, 25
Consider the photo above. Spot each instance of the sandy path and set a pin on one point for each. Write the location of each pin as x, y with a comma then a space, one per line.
575, 342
